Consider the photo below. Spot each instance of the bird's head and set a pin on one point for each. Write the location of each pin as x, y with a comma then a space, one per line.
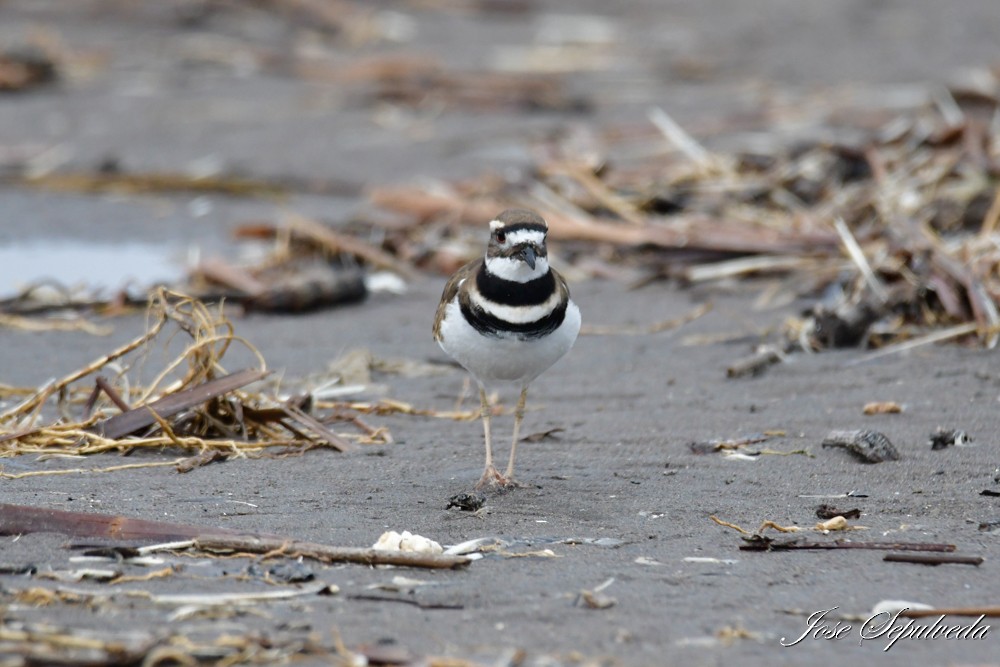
517, 246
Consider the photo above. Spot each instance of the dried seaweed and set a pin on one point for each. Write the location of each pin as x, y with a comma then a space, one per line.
896, 228
192, 404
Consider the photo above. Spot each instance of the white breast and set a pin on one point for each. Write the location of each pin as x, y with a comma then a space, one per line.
491, 359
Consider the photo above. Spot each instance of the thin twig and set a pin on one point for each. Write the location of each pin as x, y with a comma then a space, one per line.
933, 559
857, 256
929, 339
676, 135
327, 553
76, 471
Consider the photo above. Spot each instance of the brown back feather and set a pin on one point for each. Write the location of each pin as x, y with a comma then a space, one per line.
451, 289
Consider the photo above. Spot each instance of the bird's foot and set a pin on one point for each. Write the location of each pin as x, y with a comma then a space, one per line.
493, 480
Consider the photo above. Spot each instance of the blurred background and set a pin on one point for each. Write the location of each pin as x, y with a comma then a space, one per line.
138, 138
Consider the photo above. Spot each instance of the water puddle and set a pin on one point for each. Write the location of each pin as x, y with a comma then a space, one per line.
94, 266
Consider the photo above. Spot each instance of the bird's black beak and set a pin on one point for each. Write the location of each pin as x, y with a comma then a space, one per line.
527, 254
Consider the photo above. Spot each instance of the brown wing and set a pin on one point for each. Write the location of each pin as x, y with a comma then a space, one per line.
561, 285
451, 289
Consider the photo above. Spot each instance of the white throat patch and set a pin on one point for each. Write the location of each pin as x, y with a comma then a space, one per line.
516, 270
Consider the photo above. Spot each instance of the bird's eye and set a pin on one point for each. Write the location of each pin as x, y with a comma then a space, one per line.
501, 236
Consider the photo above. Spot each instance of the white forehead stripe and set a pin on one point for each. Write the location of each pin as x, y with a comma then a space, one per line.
526, 236
495, 225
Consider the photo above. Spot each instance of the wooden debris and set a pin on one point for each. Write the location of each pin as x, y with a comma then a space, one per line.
22, 519
885, 223
111, 178
755, 364
302, 288
990, 612
404, 600
933, 559
199, 460
326, 553
220, 272
761, 543
335, 242
281, 285
168, 406
19, 519
203, 409
37, 324
548, 434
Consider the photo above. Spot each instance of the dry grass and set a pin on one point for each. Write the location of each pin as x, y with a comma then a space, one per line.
234, 423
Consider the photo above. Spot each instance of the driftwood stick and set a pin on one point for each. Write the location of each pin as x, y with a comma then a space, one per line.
319, 429
933, 559
952, 611
334, 241
327, 553
112, 393
22, 519
144, 415
755, 364
790, 545
689, 231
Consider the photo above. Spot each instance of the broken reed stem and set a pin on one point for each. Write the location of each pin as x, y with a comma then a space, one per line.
112, 393
935, 337
42, 395
756, 363
857, 256
729, 525
203, 373
101, 444
795, 544
388, 406
933, 559
326, 553
679, 138
75, 471
992, 217
336, 242
33, 324
992, 612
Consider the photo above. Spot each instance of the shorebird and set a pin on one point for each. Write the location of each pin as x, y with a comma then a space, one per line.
506, 317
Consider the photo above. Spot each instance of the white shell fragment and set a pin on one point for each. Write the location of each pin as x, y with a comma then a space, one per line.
407, 541
892, 606
836, 523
